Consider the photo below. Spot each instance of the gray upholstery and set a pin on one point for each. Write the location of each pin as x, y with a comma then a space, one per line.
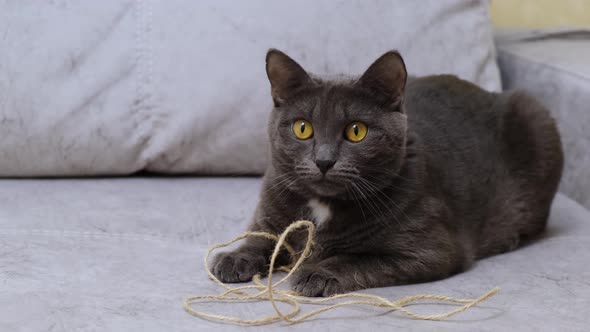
117, 86
554, 66
120, 254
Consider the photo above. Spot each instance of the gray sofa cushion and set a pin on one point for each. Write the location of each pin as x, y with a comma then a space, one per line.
120, 255
554, 66
179, 86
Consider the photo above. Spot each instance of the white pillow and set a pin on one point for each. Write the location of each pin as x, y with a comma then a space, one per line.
113, 87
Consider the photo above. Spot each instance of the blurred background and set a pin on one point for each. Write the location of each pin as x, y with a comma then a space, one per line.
540, 13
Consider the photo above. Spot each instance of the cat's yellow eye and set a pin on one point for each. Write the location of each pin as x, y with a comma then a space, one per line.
356, 131
302, 129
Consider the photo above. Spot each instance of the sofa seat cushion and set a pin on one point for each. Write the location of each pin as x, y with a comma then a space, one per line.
121, 254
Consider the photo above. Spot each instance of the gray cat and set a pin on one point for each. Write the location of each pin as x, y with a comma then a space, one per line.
407, 180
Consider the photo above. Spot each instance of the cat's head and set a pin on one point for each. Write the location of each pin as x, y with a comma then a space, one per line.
337, 138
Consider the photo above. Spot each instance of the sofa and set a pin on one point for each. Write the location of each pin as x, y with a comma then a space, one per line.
125, 154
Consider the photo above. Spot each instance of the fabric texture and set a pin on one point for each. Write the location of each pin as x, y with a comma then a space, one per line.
179, 86
121, 254
536, 62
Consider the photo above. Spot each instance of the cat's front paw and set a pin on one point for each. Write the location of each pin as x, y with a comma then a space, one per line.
316, 281
238, 266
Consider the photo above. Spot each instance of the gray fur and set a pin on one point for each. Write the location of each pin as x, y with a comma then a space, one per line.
447, 174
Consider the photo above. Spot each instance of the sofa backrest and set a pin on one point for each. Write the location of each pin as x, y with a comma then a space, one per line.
118, 86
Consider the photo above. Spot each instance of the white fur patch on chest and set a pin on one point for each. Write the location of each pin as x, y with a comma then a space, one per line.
320, 212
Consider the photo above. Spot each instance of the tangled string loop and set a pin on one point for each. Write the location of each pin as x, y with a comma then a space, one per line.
269, 291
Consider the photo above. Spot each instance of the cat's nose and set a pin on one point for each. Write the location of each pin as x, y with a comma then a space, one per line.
324, 165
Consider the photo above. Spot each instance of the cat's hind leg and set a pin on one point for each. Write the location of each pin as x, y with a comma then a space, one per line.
528, 175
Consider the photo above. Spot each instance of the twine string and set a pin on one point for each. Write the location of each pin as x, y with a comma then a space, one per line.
259, 291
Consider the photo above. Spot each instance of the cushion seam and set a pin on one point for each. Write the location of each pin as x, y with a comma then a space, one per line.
142, 107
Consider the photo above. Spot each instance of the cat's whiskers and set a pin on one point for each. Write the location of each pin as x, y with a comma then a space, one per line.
385, 171
351, 189
285, 191
280, 176
407, 190
408, 219
284, 180
379, 193
371, 205
360, 195
375, 197
361, 200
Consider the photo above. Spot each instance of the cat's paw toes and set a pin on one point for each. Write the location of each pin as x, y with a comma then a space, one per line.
237, 266
316, 282
334, 287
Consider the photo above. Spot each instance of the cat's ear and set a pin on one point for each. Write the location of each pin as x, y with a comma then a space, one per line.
285, 75
386, 77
